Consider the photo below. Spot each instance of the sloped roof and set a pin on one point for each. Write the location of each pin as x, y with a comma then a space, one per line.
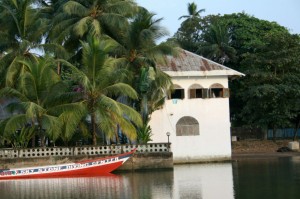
190, 64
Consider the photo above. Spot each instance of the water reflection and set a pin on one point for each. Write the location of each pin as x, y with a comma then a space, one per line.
186, 181
207, 181
268, 178
151, 184
85, 187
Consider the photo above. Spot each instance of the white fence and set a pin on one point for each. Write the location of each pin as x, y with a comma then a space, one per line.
82, 150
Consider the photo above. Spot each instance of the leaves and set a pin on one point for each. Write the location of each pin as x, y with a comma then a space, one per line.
98, 49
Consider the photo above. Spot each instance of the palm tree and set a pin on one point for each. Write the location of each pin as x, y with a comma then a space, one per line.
216, 44
99, 79
36, 93
189, 34
193, 12
140, 53
22, 29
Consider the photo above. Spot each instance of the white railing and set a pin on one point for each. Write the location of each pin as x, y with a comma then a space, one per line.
82, 150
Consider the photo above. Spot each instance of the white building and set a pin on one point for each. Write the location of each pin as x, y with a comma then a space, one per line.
197, 113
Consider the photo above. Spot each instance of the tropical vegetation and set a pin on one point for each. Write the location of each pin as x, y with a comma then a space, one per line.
79, 70
85, 70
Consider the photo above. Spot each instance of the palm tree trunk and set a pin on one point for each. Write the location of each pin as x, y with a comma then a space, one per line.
145, 108
33, 142
33, 138
94, 132
58, 68
117, 138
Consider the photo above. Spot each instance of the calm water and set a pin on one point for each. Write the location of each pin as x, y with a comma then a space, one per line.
252, 178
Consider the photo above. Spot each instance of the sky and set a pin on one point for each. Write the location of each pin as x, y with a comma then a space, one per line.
285, 12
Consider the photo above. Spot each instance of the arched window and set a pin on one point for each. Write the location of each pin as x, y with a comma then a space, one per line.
187, 126
177, 92
218, 91
197, 91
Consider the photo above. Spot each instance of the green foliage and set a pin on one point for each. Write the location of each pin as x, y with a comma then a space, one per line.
140, 55
91, 53
266, 52
22, 30
216, 44
273, 81
100, 84
21, 138
144, 134
34, 90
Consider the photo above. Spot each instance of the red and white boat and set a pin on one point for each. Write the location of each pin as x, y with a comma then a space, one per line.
93, 167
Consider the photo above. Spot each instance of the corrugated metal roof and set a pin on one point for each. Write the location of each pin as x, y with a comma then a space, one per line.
187, 61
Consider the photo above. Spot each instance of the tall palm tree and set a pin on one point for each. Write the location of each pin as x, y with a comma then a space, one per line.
36, 93
99, 79
140, 54
216, 44
188, 35
193, 12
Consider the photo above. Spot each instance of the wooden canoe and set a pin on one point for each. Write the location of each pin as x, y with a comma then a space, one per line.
98, 166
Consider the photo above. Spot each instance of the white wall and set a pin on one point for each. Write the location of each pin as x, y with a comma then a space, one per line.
213, 143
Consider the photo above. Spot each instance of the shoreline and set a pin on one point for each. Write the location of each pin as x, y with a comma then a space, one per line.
262, 155
259, 149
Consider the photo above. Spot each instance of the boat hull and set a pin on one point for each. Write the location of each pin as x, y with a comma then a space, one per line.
94, 167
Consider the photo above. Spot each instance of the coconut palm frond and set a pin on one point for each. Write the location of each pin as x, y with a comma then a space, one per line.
127, 128
52, 125
56, 49
12, 93
78, 109
131, 114
13, 70
33, 110
125, 8
95, 28
82, 26
108, 104
120, 89
70, 123
15, 123
74, 8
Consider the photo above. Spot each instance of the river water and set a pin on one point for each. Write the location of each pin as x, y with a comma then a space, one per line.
269, 178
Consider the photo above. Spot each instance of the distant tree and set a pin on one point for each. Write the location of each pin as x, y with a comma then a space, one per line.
216, 43
188, 35
193, 12
271, 85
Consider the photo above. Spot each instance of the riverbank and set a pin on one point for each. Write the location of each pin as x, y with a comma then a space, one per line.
258, 146
260, 149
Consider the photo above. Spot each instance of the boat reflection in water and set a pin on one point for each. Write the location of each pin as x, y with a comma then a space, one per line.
204, 181
83, 187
